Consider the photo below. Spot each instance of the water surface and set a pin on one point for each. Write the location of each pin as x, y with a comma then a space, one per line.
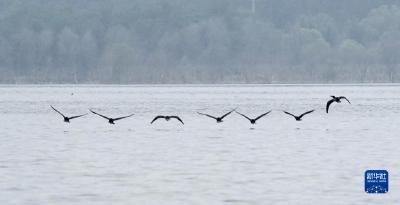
320, 160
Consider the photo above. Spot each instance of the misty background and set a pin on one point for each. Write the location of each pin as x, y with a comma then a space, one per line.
199, 41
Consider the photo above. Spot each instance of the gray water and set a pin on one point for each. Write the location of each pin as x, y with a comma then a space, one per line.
320, 160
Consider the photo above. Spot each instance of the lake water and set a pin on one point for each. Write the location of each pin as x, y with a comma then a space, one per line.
320, 160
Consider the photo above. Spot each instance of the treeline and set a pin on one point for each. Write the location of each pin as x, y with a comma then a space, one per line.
207, 41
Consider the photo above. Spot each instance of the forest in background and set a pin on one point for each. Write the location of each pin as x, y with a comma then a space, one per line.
202, 41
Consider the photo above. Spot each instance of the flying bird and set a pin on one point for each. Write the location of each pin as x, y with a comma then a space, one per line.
110, 120
167, 118
67, 119
298, 118
335, 99
253, 121
218, 119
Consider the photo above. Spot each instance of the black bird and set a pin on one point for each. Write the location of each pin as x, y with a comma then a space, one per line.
67, 119
110, 120
335, 99
167, 118
298, 118
218, 119
253, 121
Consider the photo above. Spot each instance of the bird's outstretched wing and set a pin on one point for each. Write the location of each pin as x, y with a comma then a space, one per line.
342, 97
223, 116
290, 114
329, 104
120, 118
156, 118
263, 115
206, 115
176, 117
77, 116
57, 111
308, 112
243, 115
100, 115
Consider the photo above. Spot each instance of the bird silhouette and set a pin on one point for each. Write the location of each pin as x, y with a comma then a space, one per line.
67, 119
167, 118
335, 99
218, 119
298, 118
110, 120
253, 121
